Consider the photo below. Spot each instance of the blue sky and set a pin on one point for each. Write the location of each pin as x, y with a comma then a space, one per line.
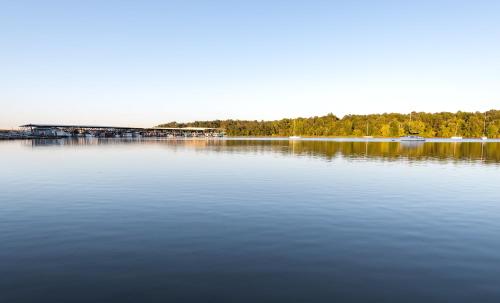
146, 62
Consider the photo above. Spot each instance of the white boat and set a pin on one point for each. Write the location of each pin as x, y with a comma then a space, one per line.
61, 133
367, 136
412, 138
455, 137
294, 137
484, 129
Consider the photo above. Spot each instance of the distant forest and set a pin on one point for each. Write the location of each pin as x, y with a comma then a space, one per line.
444, 124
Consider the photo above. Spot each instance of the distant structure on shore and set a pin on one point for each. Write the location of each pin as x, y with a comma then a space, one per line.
62, 131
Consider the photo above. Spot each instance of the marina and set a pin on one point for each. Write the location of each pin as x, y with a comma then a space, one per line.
43, 131
258, 151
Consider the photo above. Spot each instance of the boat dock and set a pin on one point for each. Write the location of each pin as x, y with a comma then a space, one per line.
37, 131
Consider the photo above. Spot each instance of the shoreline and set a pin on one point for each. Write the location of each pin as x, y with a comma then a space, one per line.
272, 138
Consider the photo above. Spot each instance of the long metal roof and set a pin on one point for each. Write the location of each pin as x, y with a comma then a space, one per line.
181, 128
75, 126
113, 127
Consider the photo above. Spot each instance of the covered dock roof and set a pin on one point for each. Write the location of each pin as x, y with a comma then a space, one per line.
182, 128
34, 125
75, 126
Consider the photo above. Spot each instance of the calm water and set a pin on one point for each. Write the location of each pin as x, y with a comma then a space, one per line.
249, 221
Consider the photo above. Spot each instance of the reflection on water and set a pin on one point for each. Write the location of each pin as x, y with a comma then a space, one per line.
249, 220
487, 152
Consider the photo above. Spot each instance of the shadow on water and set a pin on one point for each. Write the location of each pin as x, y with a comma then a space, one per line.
486, 152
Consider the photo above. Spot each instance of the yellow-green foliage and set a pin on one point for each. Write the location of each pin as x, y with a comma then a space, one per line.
443, 124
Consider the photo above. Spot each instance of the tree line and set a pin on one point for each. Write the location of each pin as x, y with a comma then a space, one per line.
443, 124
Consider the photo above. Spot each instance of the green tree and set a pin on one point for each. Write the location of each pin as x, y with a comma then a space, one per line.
492, 131
442, 124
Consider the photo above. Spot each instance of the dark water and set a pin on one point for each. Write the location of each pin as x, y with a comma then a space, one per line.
249, 221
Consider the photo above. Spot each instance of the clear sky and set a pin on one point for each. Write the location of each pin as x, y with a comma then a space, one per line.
145, 62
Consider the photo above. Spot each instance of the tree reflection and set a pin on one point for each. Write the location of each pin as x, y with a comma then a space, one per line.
391, 151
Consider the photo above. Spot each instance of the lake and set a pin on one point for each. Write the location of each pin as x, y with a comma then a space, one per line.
240, 220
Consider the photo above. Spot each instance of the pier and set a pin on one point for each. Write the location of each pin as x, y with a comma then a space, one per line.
62, 131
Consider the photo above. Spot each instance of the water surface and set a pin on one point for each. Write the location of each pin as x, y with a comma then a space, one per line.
249, 221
